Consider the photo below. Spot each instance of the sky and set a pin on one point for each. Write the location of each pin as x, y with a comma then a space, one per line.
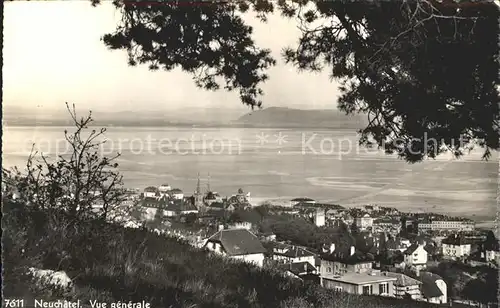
53, 53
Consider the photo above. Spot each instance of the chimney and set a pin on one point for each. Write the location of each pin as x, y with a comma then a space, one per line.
352, 251
305, 267
332, 248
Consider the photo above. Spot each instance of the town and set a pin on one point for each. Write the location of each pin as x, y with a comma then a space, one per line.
369, 250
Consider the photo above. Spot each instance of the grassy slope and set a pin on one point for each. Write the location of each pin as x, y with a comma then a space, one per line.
110, 263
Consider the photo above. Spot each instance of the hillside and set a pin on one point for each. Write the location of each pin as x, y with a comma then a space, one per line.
109, 263
288, 117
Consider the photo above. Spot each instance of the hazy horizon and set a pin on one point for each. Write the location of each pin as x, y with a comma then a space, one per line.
72, 64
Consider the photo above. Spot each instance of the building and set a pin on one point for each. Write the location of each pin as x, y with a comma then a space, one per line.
434, 289
405, 286
315, 215
443, 225
150, 192
292, 254
163, 189
212, 197
456, 246
386, 224
302, 270
416, 256
319, 217
336, 263
239, 244
364, 222
370, 283
176, 193
296, 201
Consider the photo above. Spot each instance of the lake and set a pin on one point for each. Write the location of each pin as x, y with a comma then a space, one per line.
326, 165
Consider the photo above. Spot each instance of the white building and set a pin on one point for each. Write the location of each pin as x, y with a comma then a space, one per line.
416, 256
150, 192
239, 244
364, 222
455, 246
446, 225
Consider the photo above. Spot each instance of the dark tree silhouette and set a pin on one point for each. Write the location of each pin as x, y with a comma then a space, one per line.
424, 71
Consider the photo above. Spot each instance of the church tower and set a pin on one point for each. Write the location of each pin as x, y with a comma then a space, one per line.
198, 196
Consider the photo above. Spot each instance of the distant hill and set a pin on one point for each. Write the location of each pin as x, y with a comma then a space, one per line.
273, 117
21, 116
288, 117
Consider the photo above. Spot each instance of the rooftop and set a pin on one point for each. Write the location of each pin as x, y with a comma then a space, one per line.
238, 242
456, 240
345, 258
402, 279
298, 267
429, 286
293, 252
362, 278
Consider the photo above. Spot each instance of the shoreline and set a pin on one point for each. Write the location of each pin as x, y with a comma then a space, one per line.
481, 222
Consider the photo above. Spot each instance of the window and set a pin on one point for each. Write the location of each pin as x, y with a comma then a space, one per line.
367, 290
329, 269
338, 289
214, 246
382, 288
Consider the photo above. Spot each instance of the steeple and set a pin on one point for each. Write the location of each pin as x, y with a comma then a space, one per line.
198, 189
208, 183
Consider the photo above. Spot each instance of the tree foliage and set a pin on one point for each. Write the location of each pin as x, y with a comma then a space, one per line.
424, 71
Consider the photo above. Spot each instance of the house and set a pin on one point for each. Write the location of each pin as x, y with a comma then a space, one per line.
386, 224
150, 192
181, 207
292, 254
405, 286
337, 263
176, 193
296, 201
211, 197
237, 202
149, 208
434, 289
416, 256
369, 283
456, 246
315, 215
239, 244
302, 270
364, 222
